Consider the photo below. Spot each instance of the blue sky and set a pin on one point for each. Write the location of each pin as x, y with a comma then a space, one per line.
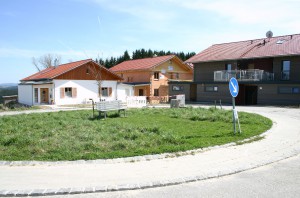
81, 29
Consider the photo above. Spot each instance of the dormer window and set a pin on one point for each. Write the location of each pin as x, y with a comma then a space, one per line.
280, 41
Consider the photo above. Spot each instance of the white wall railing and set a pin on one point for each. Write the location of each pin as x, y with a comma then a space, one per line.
243, 75
136, 101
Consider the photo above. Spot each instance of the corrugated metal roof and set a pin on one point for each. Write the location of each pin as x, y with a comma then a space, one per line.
258, 48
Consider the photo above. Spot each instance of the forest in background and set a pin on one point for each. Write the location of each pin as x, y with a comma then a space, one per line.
141, 53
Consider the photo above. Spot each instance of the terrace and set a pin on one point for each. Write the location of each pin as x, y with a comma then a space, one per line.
243, 75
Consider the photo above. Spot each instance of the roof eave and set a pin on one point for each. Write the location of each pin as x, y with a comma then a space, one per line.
243, 58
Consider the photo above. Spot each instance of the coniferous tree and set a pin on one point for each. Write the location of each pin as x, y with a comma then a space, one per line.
141, 53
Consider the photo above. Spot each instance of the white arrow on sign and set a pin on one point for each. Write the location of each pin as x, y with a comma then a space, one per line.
234, 87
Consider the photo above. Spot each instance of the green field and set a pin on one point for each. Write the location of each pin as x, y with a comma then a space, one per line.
75, 135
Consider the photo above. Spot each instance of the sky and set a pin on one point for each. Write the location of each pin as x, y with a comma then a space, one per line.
82, 29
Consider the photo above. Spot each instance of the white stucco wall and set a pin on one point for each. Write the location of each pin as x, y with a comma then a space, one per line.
123, 91
86, 89
25, 94
50, 97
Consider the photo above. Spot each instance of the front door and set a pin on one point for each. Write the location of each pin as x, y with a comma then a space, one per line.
45, 95
141, 92
193, 92
251, 95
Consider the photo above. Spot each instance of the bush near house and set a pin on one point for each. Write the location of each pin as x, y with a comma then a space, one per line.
75, 135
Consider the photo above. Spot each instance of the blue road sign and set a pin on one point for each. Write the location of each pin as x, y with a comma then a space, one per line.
233, 87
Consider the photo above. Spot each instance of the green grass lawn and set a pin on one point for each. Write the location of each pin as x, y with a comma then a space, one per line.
75, 135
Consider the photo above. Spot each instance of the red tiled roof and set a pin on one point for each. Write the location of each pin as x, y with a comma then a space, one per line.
141, 64
258, 48
52, 72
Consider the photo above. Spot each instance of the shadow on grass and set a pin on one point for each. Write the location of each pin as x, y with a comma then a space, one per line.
112, 115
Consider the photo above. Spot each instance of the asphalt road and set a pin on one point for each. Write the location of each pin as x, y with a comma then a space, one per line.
280, 179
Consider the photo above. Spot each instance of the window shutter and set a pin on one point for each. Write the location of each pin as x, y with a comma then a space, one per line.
62, 92
74, 92
99, 91
109, 91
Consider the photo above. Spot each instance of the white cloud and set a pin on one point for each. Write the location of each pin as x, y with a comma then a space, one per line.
67, 54
245, 11
151, 14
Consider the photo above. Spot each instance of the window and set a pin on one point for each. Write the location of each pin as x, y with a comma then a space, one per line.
129, 79
228, 67
285, 70
106, 91
211, 88
141, 92
156, 75
36, 95
156, 92
87, 71
68, 92
177, 88
289, 90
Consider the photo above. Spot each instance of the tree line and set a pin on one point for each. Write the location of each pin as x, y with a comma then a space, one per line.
141, 53
49, 60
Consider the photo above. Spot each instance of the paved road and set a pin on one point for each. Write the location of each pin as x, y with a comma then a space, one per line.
281, 142
281, 179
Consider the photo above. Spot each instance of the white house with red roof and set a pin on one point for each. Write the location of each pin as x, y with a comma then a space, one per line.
267, 69
71, 83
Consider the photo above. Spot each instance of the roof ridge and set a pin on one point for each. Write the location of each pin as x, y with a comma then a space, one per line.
256, 39
148, 58
74, 62
84, 61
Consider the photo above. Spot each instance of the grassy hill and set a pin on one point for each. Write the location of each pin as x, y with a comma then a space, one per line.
7, 90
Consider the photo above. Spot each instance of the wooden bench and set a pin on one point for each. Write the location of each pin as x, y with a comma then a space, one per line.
105, 106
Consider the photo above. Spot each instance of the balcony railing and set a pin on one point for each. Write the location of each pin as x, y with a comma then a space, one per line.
243, 75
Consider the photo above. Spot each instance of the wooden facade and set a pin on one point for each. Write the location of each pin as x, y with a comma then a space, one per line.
157, 78
278, 91
88, 71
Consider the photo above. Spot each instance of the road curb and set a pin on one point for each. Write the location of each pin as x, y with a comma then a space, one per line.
137, 186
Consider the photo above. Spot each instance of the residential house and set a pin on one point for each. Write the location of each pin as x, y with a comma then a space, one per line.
71, 83
267, 70
150, 76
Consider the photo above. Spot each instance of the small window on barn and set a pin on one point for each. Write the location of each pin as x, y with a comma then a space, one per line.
228, 67
87, 71
289, 90
156, 75
177, 88
211, 88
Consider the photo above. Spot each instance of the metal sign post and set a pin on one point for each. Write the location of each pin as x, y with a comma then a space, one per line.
234, 90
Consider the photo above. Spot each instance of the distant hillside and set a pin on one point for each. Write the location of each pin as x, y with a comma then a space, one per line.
5, 85
8, 89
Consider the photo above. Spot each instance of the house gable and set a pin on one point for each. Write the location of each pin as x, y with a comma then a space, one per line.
89, 71
79, 70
